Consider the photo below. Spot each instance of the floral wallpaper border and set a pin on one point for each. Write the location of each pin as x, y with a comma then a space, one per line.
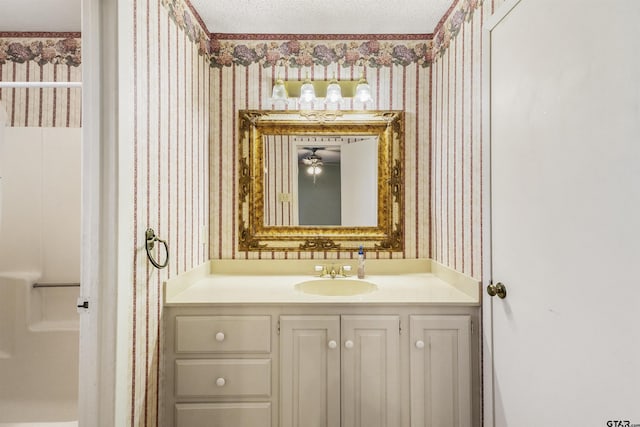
333, 37
303, 53
460, 13
185, 17
41, 50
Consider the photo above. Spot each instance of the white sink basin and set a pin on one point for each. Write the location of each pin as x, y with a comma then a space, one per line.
336, 287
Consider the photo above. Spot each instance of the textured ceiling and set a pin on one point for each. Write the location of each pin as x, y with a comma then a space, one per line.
255, 16
40, 15
321, 17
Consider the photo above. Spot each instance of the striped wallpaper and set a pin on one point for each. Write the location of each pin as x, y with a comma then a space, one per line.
278, 179
49, 57
456, 139
249, 86
170, 179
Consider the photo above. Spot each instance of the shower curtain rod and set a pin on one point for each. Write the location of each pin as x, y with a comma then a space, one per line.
15, 85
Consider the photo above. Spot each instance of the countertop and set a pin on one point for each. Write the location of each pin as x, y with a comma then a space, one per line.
273, 282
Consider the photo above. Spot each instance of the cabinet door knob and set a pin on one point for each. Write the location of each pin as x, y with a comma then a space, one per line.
333, 344
348, 344
220, 336
419, 344
220, 382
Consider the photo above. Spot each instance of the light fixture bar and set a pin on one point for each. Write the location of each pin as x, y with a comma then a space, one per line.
348, 87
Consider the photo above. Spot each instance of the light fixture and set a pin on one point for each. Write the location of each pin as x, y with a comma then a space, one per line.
279, 92
314, 170
314, 164
363, 91
307, 92
334, 92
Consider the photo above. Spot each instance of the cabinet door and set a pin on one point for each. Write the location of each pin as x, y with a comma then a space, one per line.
440, 371
309, 371
370, 371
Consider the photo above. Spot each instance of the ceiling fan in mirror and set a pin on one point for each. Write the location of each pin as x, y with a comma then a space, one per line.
314, 163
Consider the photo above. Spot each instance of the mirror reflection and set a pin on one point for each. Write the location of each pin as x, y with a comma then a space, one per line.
321, 180
319, 187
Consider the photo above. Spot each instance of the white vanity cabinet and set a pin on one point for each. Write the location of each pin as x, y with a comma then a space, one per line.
340, 371
320, 365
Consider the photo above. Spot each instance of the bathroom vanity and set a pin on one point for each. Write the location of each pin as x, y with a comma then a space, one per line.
262, 351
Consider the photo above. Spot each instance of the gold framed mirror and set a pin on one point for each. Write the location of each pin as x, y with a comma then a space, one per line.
290, 162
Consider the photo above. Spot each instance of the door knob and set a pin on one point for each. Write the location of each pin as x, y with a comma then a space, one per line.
348, 344
333, 344
497, 289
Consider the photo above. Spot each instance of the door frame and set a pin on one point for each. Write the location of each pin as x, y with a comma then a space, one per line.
102, 368
488, 402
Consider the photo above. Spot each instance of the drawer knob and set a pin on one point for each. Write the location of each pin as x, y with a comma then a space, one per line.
420, 344
333, 344
348, 344
220, 336
220, 382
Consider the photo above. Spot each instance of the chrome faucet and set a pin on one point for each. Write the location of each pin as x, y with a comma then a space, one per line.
332, 270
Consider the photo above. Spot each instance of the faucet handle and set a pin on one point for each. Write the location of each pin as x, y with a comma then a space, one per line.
322, 269
344, 269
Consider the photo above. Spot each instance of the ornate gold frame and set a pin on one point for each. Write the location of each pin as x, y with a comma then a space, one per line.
388, 235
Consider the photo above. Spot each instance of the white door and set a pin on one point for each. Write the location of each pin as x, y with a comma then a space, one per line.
565, 213
359, 175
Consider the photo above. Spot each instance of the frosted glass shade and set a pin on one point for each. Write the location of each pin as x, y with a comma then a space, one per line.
279, 92
307, 92
363, 92
334, 93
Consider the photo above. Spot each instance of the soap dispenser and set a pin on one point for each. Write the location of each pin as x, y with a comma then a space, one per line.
361, 262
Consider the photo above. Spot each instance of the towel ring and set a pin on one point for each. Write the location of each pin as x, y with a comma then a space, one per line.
151, 238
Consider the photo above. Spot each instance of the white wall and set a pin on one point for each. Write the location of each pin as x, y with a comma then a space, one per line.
3, 122
40, 222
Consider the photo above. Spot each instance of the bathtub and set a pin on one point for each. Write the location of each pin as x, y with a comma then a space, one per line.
38, 353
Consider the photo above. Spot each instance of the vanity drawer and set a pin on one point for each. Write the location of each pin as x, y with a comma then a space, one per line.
223, 378
223, 334
223, 414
